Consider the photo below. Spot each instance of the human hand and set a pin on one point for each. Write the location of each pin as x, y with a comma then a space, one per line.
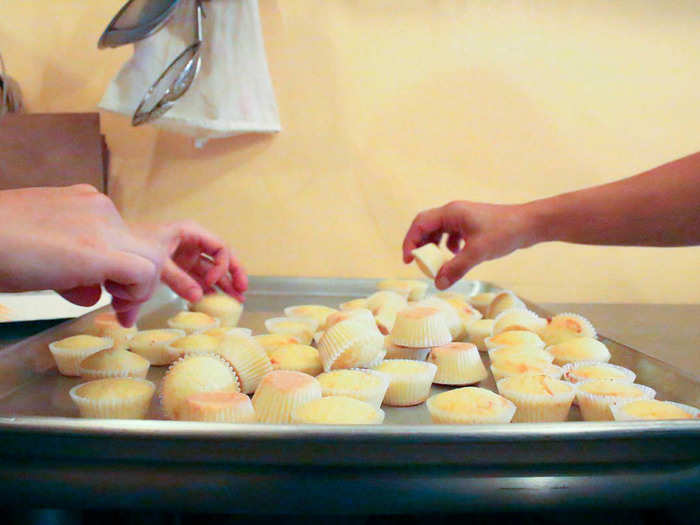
476, 232
73, 240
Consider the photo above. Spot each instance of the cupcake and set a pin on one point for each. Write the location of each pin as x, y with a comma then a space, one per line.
539, 398
411, 289
481, 301
303, 328
247, 358
469, 406
579, 349
429, 259
218, 407
510, 352
271, 342
385, 305
641, 409
350, 344
478, 331
361, 315
518, 319
503, 301
194, 343
467, 313
221, 331
454, 322
563, 327
369, 386
514, 338
403, 352
113, 398
524, 364
302, 358
317, 312
154, 345
220, 306
193, 322
449, 295
69, 352
114, 362
457, 364
191, 374
595, 397
354, 304
106, 325
420, 327
588, 370
337, 410
409, 381
281, 392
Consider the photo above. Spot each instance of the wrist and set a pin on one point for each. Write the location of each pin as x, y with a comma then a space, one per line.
540, 220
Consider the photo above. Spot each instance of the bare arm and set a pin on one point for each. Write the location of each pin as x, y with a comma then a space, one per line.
660, 207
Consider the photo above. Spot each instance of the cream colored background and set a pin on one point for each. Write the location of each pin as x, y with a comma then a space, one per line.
389, 107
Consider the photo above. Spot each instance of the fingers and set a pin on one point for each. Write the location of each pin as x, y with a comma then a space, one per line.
83, 295
191, 235
426, 226
454, 269
181, 282
453, 242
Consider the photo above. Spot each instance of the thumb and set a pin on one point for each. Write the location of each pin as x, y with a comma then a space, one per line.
454, 269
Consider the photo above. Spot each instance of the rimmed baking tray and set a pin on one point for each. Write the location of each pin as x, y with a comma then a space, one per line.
42, 440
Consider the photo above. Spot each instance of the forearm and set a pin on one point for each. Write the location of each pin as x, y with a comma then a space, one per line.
660, 207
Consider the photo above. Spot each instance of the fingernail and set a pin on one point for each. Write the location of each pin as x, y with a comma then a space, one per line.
443, 282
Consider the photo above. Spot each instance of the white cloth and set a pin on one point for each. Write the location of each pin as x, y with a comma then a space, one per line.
232, 93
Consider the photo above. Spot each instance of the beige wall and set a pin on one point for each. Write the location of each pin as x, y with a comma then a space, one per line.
389, 107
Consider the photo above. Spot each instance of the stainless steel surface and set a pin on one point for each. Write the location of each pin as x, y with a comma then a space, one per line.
136, 20
174, 82
451, 466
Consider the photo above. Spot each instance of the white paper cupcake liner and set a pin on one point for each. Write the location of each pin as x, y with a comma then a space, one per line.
595, 407
452, 318
138, 372
276, 406
410, 390
478, 331
620, 415
458, 368
248, 359
134, 407
68, 359
533, 408
518, 319
421, 333
401, 352
349, 335
503, 301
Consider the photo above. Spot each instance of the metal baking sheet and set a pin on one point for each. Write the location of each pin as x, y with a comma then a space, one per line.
48, 456
34, 397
